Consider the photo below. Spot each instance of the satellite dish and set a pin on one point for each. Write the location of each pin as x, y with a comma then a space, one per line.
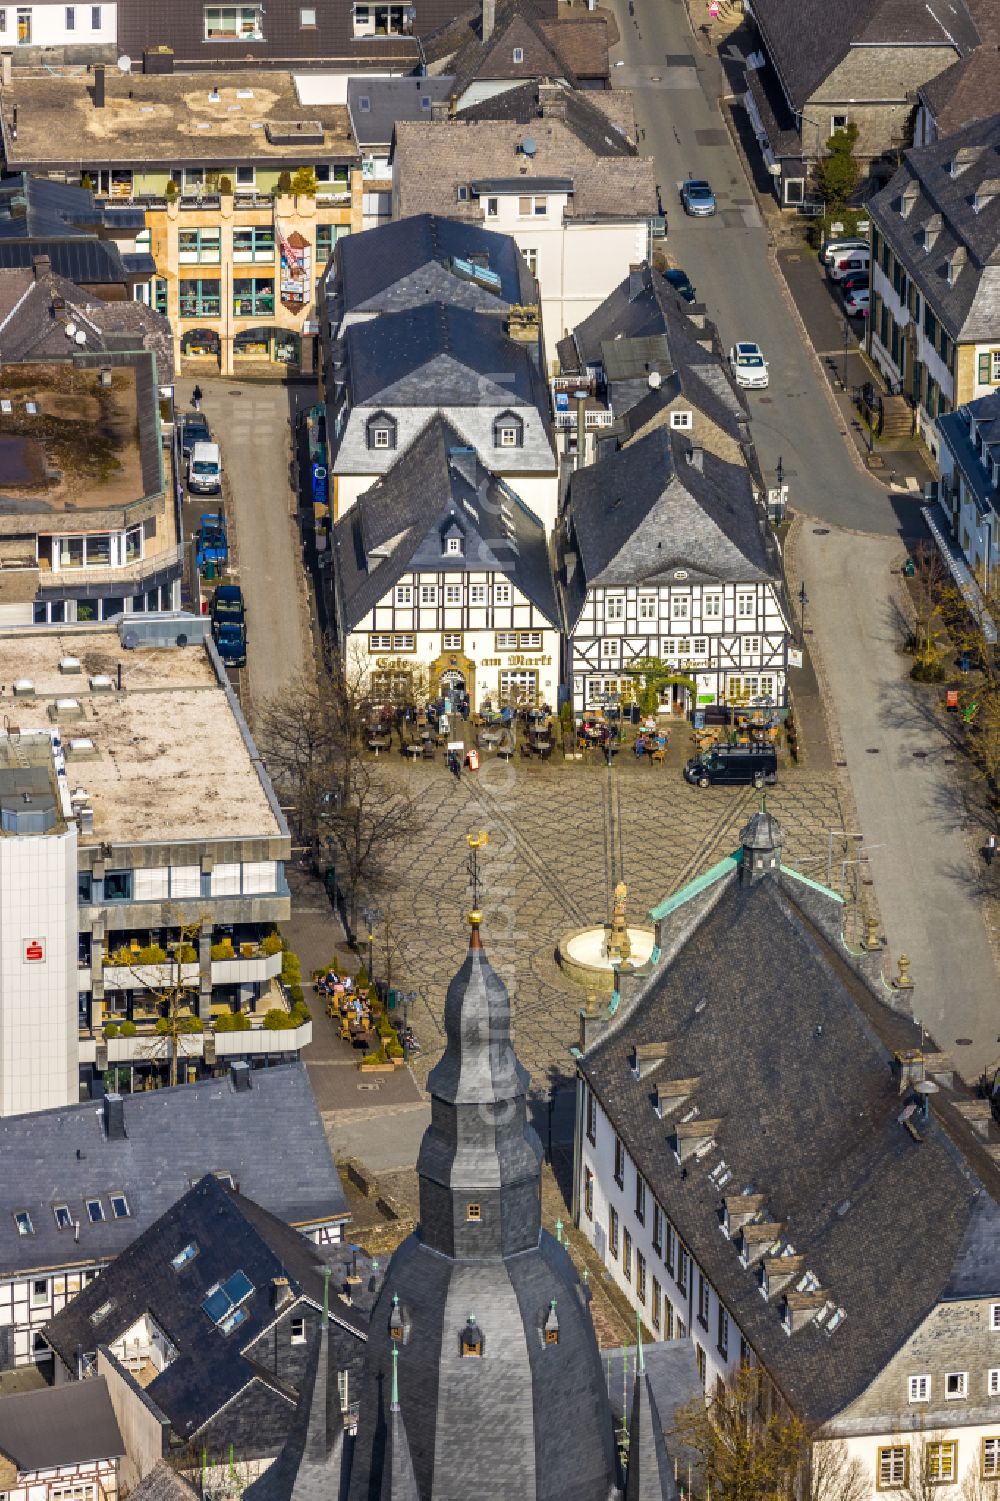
124, 63
654, 380
80, 336
926, 1086
529, 146
130, 641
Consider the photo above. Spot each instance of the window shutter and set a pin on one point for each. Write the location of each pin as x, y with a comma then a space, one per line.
984, 369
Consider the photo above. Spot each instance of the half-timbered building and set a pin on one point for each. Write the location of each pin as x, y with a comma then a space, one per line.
663, 555
60, 1445
443, 573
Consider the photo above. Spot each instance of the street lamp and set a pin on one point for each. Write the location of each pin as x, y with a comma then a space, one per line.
803, 601
372, 917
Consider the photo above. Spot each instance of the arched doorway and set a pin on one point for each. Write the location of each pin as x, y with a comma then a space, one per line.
201, 343
452, 674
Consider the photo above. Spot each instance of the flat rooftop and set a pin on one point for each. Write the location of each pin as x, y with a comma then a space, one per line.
67, 442
170, 759
173, 120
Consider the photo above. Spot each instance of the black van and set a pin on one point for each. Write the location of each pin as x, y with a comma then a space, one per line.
734, 766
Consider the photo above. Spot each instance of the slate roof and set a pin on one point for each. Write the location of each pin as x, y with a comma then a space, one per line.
389, 100
969, 90
970, 308
164, 1484
806, 39
231, 1234
32, 326
809, 1118
64, 1156
956, 434
590, 112
96, 262
73, 1424
37, 208
644, 304
408, 262
437, 478
610, 181
441, 353
647, 510
565, 48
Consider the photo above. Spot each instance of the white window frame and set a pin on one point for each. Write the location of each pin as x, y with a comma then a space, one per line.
614, 607
451, 641
993, 1381
711, 606
680, 607
995, 1317
501, 594
508, 437
404, 595
477, 594
892, 1467
297, 1331
990, 1467
648, 607
454, 546
937, 1472
380, 437
960, 1381
918, 1388
746, 605
682, 420
518, 55
428, 594
453, 594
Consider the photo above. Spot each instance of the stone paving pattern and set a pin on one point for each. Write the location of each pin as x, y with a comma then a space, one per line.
545, 873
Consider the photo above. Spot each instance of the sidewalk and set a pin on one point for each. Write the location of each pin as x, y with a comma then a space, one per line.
906, 465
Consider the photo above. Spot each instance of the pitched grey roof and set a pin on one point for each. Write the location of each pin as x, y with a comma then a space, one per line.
643, 305
806, 39
164, 1484
944, 206
810, 1117
61, 1425
648, 509
64, 1156
438, 353
956, 434
410, 262
33, 321
435, 481
375, 104
969, 90
310, 1466
650, 1467
589, 112
399, 1482
230, 1234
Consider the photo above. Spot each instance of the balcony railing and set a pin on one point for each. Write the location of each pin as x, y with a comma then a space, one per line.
150, 1046
170, 557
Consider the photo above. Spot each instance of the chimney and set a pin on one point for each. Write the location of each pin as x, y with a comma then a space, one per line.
636, 282
86, 817
552, 100
6, 69
99, 86
114, 1117
281, 1293
696, 457
239, 1073
40, 266
489, 18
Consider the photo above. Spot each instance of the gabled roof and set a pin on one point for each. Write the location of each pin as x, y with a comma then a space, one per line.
806, 39
967, 91
73, 1424
550, 48
648, 510
36, 306
441, 354
808, 1116
438, 483
956, 434
230, 1235
164, 1484
603, 118
64, 1156
642, 305
609, 180
375, 104
409, 262
941, 208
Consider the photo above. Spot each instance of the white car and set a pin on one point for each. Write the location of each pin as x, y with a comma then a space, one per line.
748, 365
856, 303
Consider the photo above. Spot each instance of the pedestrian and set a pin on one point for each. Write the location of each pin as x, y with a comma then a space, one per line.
196, 396
990, 850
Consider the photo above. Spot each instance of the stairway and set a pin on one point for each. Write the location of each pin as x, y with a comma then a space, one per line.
897, 417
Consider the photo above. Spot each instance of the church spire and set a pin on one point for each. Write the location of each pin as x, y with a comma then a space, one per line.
480, 1161
650, 1475
398, 1480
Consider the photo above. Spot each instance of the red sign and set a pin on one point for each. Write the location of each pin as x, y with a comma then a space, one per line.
34, 951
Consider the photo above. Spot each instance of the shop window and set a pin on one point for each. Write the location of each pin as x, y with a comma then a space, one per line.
201, 297
252, 296
202, 246
253, 243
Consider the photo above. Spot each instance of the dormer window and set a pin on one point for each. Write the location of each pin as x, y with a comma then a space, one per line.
396, 1328
519, 54
985, 194
955, 264
462, 193
453, 546
508, 431
550, 1331
381, 431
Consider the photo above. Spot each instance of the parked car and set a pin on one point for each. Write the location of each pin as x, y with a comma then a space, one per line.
228, 605
194, 429
680, 282
212, 541
697, 197
856, 302
205, 469
734, 766
748, 365
831, 249
846, 265
853, 281
230, 637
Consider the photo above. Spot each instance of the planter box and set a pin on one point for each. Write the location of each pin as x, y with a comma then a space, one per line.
147, 976
377, 1068
237, 971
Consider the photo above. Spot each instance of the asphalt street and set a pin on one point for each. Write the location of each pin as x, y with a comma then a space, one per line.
676, 99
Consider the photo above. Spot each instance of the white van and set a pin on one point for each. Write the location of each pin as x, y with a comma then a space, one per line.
205, 469
847, 264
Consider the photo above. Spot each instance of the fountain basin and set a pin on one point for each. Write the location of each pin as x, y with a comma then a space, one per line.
583, 955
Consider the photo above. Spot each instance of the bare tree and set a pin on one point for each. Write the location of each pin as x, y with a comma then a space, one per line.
834, 1475
926, 1467
176, 996
978, 1487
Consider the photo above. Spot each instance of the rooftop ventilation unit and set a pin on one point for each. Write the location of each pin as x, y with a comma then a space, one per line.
82, 749
294, 132
68, 665
101, 683
66, 708
24, 688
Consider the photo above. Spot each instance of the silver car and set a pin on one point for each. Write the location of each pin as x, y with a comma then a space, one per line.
698, 198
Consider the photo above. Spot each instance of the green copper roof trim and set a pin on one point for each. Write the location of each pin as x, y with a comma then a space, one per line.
395, 1378
615, 1002
700, 883
797, 875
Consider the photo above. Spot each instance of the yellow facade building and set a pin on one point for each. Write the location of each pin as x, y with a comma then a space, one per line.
244, 192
